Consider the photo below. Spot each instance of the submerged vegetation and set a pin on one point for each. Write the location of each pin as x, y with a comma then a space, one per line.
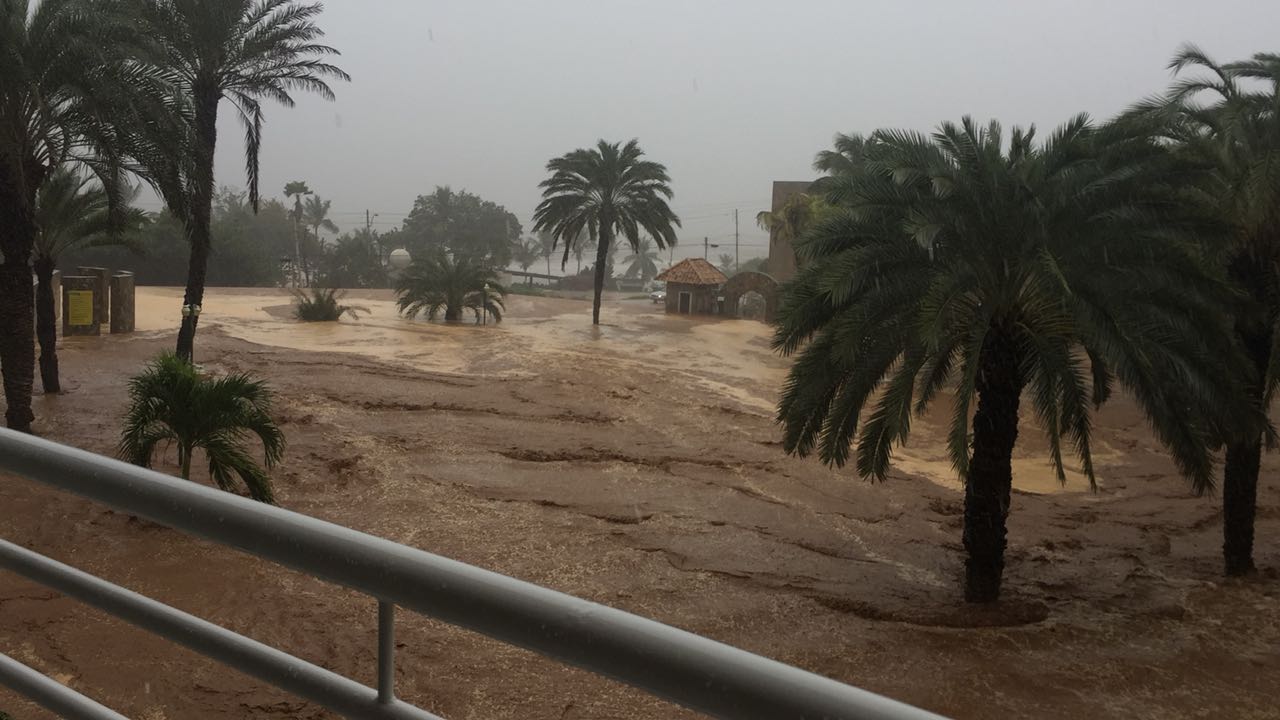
323, 305
441, 284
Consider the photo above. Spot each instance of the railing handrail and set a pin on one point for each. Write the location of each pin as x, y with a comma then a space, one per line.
693, 671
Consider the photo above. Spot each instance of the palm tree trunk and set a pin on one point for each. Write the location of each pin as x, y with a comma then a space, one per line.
1239, 505
602, 256
17, 304
184, 458
201, 213
1240, 471
990, 479
47, 325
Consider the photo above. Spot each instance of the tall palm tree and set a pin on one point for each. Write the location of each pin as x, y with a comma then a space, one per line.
605, 191
440, 281
960, 261
60, 68
1228, 118
297, 189
245, 51
72, 212
171, 402
643, 262
315, 212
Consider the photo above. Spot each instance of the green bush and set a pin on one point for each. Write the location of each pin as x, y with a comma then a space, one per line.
171, 402
323, 305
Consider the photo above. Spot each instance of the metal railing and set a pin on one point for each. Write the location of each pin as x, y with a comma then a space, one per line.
684, 668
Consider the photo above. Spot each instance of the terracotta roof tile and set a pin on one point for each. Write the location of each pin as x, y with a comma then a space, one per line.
692, 271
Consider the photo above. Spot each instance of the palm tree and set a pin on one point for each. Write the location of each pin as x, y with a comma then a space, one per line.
845, 158
727, 263
296, 190
315, 213
72, 212
959, 261
579, 246
604, 191
546, 247
1237, 134
323, 305
440, 281
59, 71
526, 253
171, 402
643, 263
241, 50
789, 222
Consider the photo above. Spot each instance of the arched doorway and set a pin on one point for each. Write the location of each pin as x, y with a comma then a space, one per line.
758, 284
751, 306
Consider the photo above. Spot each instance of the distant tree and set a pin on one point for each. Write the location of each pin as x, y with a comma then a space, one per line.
579, 245
463, 224
526, 253
992, 267
546, 247
606, 190
726, 263
171, 402
241, 51
323, 305
72, 212
643, 263
758, 264
354, 261
297, 190
315, 212
439, 282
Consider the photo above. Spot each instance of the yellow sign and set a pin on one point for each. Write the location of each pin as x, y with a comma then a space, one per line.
80, 307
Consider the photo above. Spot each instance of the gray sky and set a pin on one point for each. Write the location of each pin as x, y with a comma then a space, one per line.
729, 95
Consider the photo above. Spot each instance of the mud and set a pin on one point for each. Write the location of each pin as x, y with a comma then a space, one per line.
636, 464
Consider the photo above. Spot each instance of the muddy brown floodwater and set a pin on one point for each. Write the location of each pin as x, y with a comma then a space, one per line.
636, 464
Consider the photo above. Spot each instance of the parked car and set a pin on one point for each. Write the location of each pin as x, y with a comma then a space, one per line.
658, 296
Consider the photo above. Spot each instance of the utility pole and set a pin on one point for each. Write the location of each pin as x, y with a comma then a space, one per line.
735, 240
705, 246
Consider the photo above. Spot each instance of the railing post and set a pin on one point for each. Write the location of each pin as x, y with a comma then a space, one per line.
386, 652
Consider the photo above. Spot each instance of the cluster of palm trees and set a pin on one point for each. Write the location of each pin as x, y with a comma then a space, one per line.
311, 214
1007, 270
127, 89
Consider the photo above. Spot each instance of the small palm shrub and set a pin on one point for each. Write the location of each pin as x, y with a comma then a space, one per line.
171, 402
440, 283
323, 305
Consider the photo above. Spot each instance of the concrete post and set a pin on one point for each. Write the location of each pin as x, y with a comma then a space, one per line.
79, 306
101, 303
122, 302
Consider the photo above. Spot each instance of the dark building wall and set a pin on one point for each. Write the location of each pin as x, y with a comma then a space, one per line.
782, 257
702, 298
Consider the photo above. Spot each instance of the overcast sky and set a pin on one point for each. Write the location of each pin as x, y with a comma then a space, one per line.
729, 95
